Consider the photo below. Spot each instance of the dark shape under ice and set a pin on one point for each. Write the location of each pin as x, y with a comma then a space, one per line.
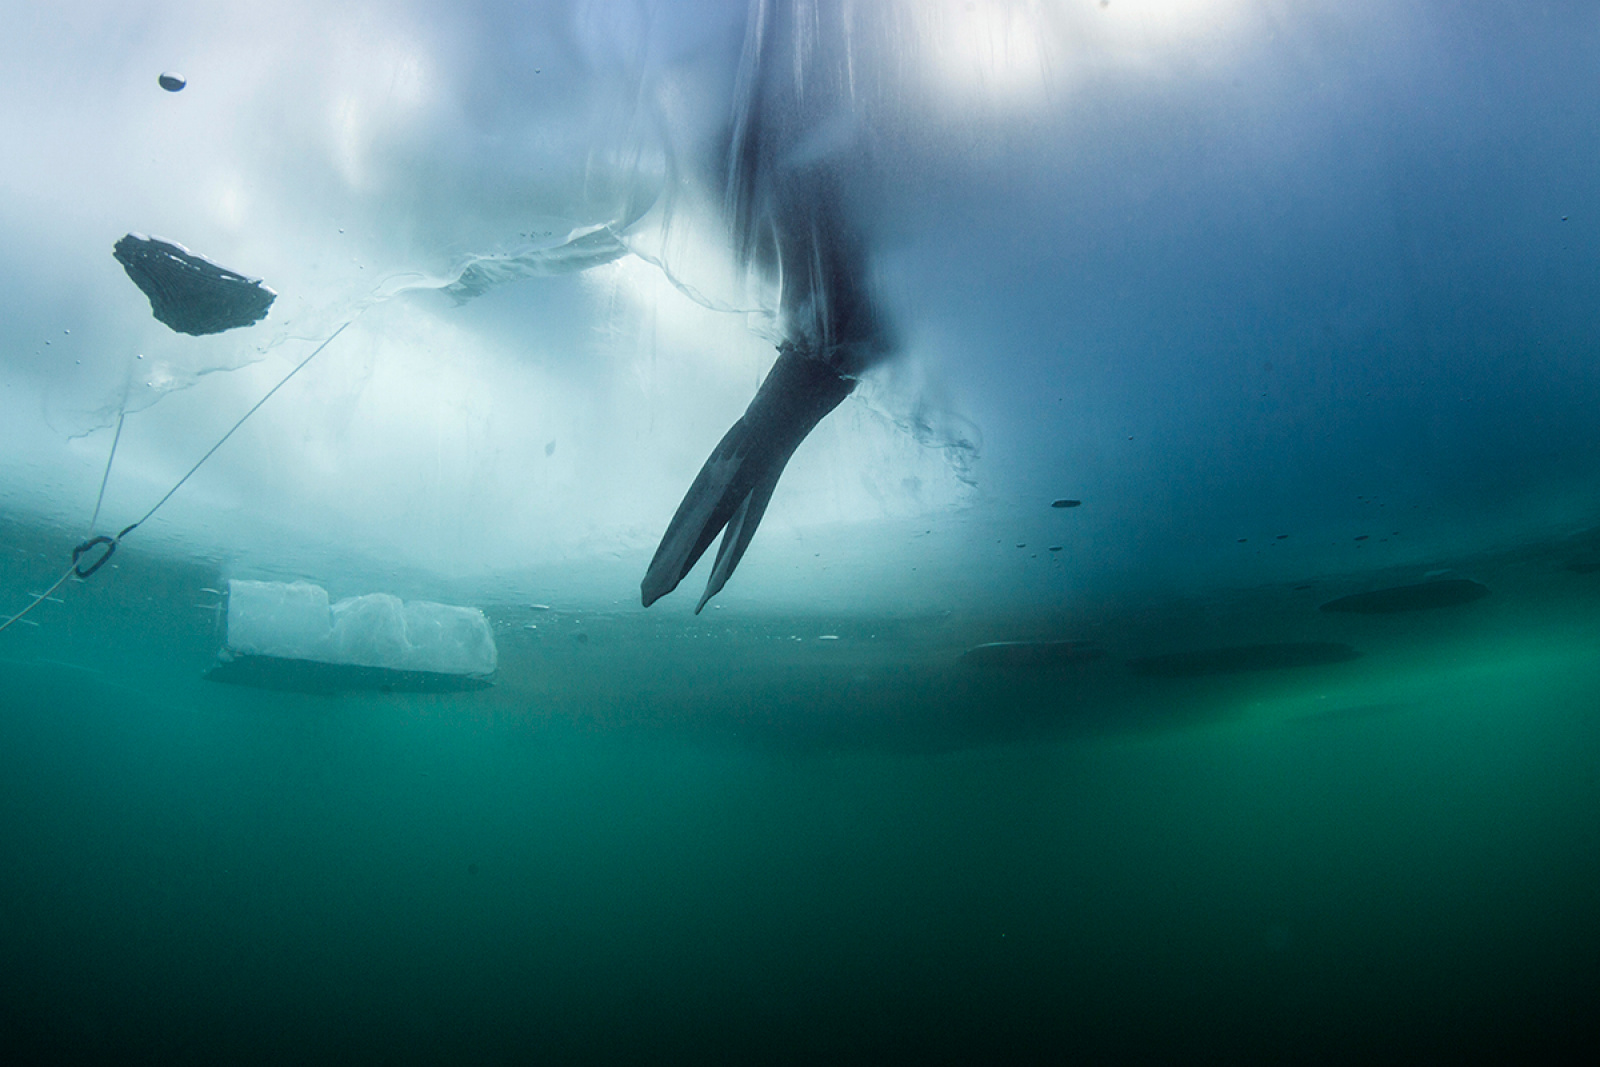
1421, 597
797, 218
190, 293
313, 676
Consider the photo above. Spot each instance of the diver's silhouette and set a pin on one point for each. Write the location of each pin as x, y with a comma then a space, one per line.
787, 205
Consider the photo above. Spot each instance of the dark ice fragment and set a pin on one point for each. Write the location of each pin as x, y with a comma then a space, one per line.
1065, 503
1242, 658
172, 81
190, 293
1420, 597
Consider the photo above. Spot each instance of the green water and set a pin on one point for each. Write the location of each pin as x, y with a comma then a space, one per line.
673, 840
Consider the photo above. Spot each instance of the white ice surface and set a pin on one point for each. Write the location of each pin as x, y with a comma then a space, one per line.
294, 620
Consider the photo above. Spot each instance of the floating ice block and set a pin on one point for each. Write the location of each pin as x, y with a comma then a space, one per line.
288, 635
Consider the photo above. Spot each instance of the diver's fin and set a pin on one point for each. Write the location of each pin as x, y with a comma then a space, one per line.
737, 481
741, 528
705, 510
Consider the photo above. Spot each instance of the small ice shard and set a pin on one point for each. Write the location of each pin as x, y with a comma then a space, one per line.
584, 249
190, 293
172, 81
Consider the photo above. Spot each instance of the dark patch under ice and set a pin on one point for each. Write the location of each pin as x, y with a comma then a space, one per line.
1420, 597
312, 676
188, 292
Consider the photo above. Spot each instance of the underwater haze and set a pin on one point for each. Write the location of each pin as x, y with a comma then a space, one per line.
1172, 638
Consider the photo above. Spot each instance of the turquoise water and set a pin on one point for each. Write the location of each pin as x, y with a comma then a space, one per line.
662, 839
1296, 300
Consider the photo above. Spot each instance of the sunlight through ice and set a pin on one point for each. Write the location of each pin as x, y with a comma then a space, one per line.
1010, 56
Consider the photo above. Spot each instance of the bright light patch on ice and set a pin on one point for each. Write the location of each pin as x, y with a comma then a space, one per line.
1004, 58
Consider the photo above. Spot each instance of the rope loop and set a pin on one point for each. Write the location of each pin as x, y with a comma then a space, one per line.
109, 544
77, 554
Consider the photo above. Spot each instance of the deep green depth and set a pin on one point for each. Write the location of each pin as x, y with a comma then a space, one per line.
684, 841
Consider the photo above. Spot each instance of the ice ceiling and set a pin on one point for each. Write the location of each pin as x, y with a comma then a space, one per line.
1223, 269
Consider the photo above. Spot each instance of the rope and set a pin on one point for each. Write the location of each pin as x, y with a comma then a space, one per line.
110, 543
40, 599
223, 440
122, 413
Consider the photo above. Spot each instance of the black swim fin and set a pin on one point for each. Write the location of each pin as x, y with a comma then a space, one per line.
733, 488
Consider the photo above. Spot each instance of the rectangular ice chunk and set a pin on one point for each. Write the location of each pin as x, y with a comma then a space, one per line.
288, 619
296, 621
450, 640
